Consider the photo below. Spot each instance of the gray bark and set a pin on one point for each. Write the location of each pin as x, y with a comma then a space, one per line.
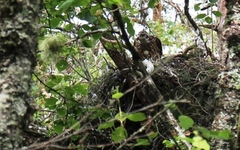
18, 45
228, 93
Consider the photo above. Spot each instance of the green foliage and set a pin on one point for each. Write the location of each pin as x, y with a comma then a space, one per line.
201, 135
117, 95
200, 143
204, 16
151, 3
71, 59
119, 134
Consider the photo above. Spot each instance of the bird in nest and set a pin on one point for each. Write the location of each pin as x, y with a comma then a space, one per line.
148, 46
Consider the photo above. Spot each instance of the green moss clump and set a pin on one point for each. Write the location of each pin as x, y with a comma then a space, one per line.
51, 46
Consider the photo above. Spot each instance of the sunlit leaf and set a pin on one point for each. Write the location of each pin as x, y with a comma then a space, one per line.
121, 116
117, 95
115, 1
200, 143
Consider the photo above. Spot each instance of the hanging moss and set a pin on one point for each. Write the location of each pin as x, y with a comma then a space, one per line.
51, 46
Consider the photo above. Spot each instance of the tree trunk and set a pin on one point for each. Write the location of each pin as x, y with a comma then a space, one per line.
228, 93
18, 45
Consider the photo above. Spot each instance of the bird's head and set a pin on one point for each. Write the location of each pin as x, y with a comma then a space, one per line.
143, 36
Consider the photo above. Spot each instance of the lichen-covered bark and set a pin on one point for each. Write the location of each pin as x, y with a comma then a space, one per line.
18, 44
228, 93
229, 32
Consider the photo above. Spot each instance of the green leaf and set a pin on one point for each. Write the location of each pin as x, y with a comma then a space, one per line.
197, 6
205, 132
144, 142
87, 43
130, 28
75, 124
106, 125
217, 13
117, 95
115, 2
82, 3
136, 117
81, 89
50, 102
74, 137
208, 20
226, 134
152, 135
96, 36
119, 134
87, 16
64, 6
127, 4
58, 128
53, 80
121, 116
151, 3
61, 112
168, 143
62, 65
185, 122
213, 1
54, 22
200, 143
200, 16
69, 91
69, 27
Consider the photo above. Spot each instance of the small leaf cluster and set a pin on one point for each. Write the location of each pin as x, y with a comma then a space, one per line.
208, 19
201, 135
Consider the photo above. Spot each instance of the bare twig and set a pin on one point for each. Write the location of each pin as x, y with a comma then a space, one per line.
197, 29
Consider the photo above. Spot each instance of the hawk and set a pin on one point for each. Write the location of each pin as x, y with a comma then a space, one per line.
148, 46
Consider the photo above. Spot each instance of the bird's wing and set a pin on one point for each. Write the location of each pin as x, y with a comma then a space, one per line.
159, 45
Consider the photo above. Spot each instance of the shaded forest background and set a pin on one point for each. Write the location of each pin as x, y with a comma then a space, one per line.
91, 90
